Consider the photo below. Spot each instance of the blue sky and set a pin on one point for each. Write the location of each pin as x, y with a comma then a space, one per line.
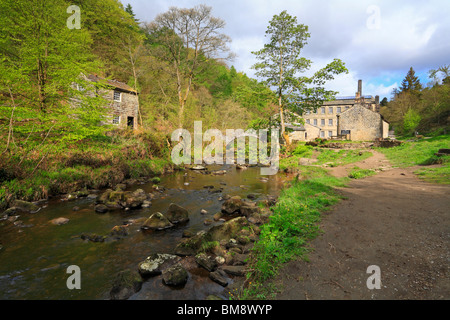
379, 40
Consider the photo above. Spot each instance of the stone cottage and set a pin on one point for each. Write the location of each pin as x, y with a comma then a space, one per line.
123, 101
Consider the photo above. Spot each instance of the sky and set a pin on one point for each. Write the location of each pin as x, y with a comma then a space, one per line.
378, 40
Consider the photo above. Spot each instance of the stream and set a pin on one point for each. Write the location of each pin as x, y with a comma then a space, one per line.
35, 254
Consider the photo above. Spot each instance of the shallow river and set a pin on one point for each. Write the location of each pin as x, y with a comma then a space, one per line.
34, 257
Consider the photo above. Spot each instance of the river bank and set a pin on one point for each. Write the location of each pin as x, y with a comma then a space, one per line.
103, 162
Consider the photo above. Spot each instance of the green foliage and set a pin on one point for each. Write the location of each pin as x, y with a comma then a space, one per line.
302, 150
411, 121
51, 131
156, 180
425, 110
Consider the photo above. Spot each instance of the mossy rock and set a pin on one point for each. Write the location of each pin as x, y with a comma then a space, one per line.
177, 214
125, 285
25, 206
193, 245
232, 205
227, 230
155, 264
175, 276
157, 221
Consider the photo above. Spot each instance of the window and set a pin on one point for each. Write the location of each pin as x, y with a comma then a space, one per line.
346, 108
330, 122
322, 110
308, 121
330, 134
322, 122
330, 110
117, 96
322, 134
116, 120
315, 122
339, 109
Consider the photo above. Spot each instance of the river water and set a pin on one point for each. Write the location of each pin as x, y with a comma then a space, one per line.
35, 254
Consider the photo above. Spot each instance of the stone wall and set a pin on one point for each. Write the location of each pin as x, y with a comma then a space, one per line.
363, 124
385, 130
127, 107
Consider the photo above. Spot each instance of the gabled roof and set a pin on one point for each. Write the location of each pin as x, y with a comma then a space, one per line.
113, 83
362, 107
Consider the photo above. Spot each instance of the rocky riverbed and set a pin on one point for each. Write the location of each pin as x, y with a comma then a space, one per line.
208, 219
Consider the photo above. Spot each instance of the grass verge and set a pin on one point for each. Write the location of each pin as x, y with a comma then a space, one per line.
89, 164
422, 153
294, 222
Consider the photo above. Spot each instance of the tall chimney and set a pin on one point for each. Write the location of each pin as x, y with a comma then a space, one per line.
377, 99
360, 87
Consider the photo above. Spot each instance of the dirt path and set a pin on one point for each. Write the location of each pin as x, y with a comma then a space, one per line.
392, 220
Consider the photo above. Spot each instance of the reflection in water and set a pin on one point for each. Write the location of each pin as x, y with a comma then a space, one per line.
34, 257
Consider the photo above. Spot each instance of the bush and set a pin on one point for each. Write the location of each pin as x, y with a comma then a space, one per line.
302, 150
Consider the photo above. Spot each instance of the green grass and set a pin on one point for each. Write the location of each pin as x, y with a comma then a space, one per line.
439, 175
415, 153
294, 222
342, 157
422, 153
324, 156
358, 173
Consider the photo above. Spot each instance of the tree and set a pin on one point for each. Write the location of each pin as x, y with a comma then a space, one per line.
111, 27
129, 10
40, 59
280, 64
411, 83
384, 102
442, 72
411, 121
190, 37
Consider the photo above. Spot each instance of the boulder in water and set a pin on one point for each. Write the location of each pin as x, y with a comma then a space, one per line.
157, 221
177, 214
175, 276
59, 221
155, 264
125, 285
25, 206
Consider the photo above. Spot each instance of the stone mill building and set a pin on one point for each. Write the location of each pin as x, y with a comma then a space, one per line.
350, 118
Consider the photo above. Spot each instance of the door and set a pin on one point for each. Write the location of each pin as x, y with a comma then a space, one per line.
130, 122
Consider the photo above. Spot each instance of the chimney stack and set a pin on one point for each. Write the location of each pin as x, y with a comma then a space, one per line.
360, 87
377, 99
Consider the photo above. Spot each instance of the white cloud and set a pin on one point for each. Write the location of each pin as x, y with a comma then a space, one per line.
411, 33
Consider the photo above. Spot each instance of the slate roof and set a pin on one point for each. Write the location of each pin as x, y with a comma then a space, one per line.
114, 83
